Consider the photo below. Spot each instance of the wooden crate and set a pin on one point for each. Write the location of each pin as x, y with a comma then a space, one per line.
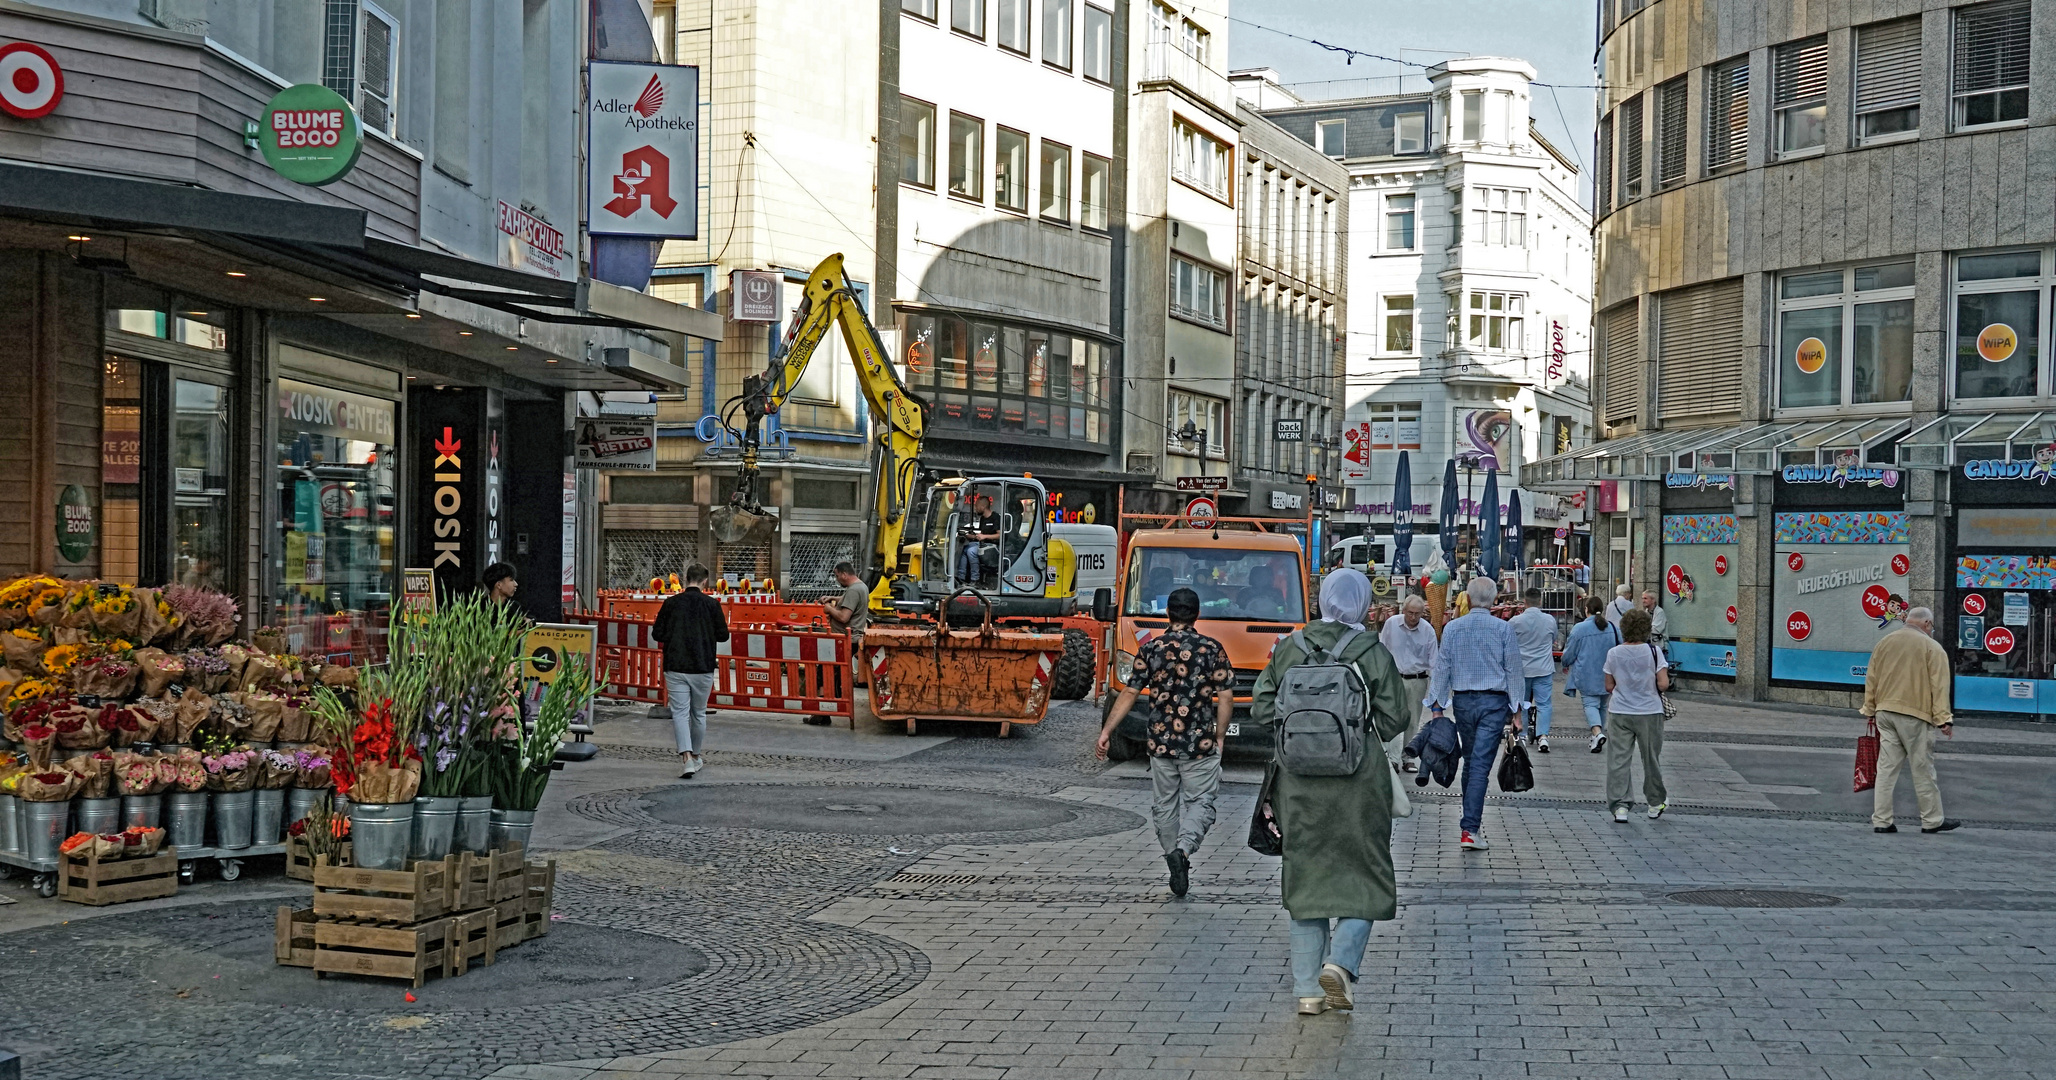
413, 953
486, 880
541, 892
300, 859
294, 945
85, 879
399, 897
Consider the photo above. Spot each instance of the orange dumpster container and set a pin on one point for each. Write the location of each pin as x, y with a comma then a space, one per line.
926, 673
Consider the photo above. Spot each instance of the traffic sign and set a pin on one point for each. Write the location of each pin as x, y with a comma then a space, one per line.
1998, 641
1201, 511
1798, 625
1202, 483
1973, 603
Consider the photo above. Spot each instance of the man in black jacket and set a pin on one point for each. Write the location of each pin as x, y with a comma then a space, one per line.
689, 625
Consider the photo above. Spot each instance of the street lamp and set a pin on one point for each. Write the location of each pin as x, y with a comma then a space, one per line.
1189, 435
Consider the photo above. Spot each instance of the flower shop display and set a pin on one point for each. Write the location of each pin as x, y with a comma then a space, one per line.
456, 670
113, 868
377, 766
522, 754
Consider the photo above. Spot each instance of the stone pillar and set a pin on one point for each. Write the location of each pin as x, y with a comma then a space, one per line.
1755, 556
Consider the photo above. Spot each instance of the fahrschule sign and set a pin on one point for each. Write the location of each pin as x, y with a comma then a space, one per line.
642, 150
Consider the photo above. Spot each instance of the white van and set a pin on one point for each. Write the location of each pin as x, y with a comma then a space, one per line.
1099, 550
1373, 554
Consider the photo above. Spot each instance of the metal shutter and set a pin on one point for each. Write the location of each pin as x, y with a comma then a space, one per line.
1888, 65
1991, 46
1727, 113
1699, 351
1670, 131
1602, 184
1631, 148
1621, 329
1800, 73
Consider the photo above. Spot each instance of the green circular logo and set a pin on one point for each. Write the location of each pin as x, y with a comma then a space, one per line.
76, 529
310, 134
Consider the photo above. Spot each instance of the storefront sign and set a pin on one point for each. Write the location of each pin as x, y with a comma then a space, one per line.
310, 135
321, 411
529, 243
1840, 474
1699, 481
617, 444
754, 296
77, 531
1556, 355
417, 591
1835, 593
31, 83
643, 150
1811, 355
568, 579
1997, 343
547, 647
2014, 609
1486, 442
1998, 641
1284, 430
1358, 440
456, 435
121, 444
2040, 469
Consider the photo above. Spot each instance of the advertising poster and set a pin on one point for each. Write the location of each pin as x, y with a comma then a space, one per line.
1839, 584
1484, 439
547, 647
616, 444
1701, 573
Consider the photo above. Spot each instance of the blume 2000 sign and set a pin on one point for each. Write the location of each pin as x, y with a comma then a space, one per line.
308, 127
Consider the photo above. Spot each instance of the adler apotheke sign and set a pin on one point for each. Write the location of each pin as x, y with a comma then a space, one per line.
643, 150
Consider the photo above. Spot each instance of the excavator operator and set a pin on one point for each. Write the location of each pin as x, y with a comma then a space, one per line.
982, 532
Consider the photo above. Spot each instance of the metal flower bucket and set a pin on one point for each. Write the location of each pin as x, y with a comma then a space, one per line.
380, 834
48, 823
10, 824
232, 813
474, 825
301, 802
510, 828
435, 825
267, 821
185, 815
100, 816
146, 811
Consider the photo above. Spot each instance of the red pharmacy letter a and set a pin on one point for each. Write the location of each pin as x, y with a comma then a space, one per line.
645, 174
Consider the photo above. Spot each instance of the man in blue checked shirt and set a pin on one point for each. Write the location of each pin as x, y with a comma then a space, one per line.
1479, 667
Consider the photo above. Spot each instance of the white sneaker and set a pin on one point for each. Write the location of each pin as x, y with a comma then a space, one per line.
1598, 742
693, 767
1335, 982
1657, 810
1542, 744
1470, 841
1620, 814
1313, 1006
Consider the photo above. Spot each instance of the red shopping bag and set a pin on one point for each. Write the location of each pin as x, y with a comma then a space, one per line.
1867, 758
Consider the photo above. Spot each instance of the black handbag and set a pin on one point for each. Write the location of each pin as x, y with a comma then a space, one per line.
1265, 837
1516, 772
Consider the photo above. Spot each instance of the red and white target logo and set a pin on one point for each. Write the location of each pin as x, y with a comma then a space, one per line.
31, 83
1901, 565
1973, 604
1732, 614
1798, 625
1796, 561
1720, 565
1998, 641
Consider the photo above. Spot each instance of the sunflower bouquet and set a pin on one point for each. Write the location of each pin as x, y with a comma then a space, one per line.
59, 659
47, 605
23, 648
77, 613
17, 597
115, 611
28, 691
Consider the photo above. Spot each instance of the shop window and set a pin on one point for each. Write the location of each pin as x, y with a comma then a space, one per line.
967, 156
332, 569
1799, 95
1395, 425
1010, 170
1671, 100
2000, 304
1991, 64
1845, 337
917, 143
1887, 101
1099, 44
1092, 192
1399, 222
1727, 114
1056, 182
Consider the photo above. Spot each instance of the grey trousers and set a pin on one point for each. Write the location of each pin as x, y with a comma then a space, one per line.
1910, 741
688, 696
1416, 689
1628, 734
1184, 808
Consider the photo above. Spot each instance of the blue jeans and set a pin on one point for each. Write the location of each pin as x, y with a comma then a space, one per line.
1313, 946
970, 563
1482, 714
1542, 695
1595, 709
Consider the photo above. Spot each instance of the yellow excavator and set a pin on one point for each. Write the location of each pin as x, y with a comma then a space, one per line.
963, 627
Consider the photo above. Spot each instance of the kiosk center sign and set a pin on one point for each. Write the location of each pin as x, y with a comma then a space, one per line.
310, 135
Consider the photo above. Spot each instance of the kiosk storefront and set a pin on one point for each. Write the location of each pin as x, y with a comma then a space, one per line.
1702, 573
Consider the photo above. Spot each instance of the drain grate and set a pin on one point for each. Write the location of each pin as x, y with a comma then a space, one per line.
1755, 898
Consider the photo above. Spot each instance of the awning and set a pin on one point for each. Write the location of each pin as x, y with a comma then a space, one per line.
1951, 439
1757, 449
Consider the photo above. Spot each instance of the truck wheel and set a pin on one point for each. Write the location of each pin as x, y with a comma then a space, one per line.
1072, 679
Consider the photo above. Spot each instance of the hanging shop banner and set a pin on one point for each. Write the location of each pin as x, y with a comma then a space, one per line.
756, 295
1840, 582
643, 150
616, 444
1684, 481
457, 436
529, 243
310, 135
1700, 588
2039, 469
1848, 470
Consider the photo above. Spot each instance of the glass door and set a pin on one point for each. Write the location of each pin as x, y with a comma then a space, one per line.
201, 449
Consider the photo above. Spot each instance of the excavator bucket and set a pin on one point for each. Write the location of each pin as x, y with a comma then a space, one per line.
925, 672
735, 525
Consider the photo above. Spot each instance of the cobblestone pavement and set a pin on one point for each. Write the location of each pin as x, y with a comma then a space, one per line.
966, 907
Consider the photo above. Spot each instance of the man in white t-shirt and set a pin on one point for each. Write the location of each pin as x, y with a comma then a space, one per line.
1622, 603
1636, 676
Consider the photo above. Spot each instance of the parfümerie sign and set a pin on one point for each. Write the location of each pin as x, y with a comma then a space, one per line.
310, 135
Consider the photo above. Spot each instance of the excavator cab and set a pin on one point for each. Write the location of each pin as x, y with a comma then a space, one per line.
988, 534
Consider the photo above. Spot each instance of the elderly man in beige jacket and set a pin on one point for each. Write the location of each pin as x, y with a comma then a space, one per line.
1907, 691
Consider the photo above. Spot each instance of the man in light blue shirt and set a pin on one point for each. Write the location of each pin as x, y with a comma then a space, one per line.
1535, 629
1478, 676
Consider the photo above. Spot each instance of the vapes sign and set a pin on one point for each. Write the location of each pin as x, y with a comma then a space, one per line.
643, 150
310, 135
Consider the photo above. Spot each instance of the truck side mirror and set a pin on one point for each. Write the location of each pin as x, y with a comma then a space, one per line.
1103, 605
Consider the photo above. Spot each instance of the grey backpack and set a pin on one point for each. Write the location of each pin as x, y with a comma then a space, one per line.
1324, 711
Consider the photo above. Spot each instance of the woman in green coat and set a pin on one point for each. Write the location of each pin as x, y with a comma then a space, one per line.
1337, 829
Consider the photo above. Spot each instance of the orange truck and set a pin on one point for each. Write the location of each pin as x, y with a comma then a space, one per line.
1251, 577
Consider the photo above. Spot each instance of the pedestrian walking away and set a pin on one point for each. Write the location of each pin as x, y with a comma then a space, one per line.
1584, 665
1478, 678
1410, 638
1337, 875
1191, 699
1906, 690
1623, 602
688, 626
850, 611
1636, 677
1535, 629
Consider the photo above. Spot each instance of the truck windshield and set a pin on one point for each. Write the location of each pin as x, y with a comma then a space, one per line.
1259, 585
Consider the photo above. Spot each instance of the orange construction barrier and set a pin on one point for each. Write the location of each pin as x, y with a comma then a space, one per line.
760, 669
631, 662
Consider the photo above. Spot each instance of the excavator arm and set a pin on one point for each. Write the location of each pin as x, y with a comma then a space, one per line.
899, 415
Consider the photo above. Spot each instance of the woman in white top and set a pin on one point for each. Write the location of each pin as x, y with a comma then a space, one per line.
1636, 676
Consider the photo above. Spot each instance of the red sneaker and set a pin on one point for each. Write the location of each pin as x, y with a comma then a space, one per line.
1473, 841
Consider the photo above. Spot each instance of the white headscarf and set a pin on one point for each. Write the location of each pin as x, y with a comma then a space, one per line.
1345, 597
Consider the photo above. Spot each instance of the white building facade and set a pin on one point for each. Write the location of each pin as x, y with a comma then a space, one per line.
1469, 297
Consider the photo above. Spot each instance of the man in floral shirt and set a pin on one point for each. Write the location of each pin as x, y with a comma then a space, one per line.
1188, 677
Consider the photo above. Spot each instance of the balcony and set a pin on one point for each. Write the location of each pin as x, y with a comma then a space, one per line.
1164, 61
